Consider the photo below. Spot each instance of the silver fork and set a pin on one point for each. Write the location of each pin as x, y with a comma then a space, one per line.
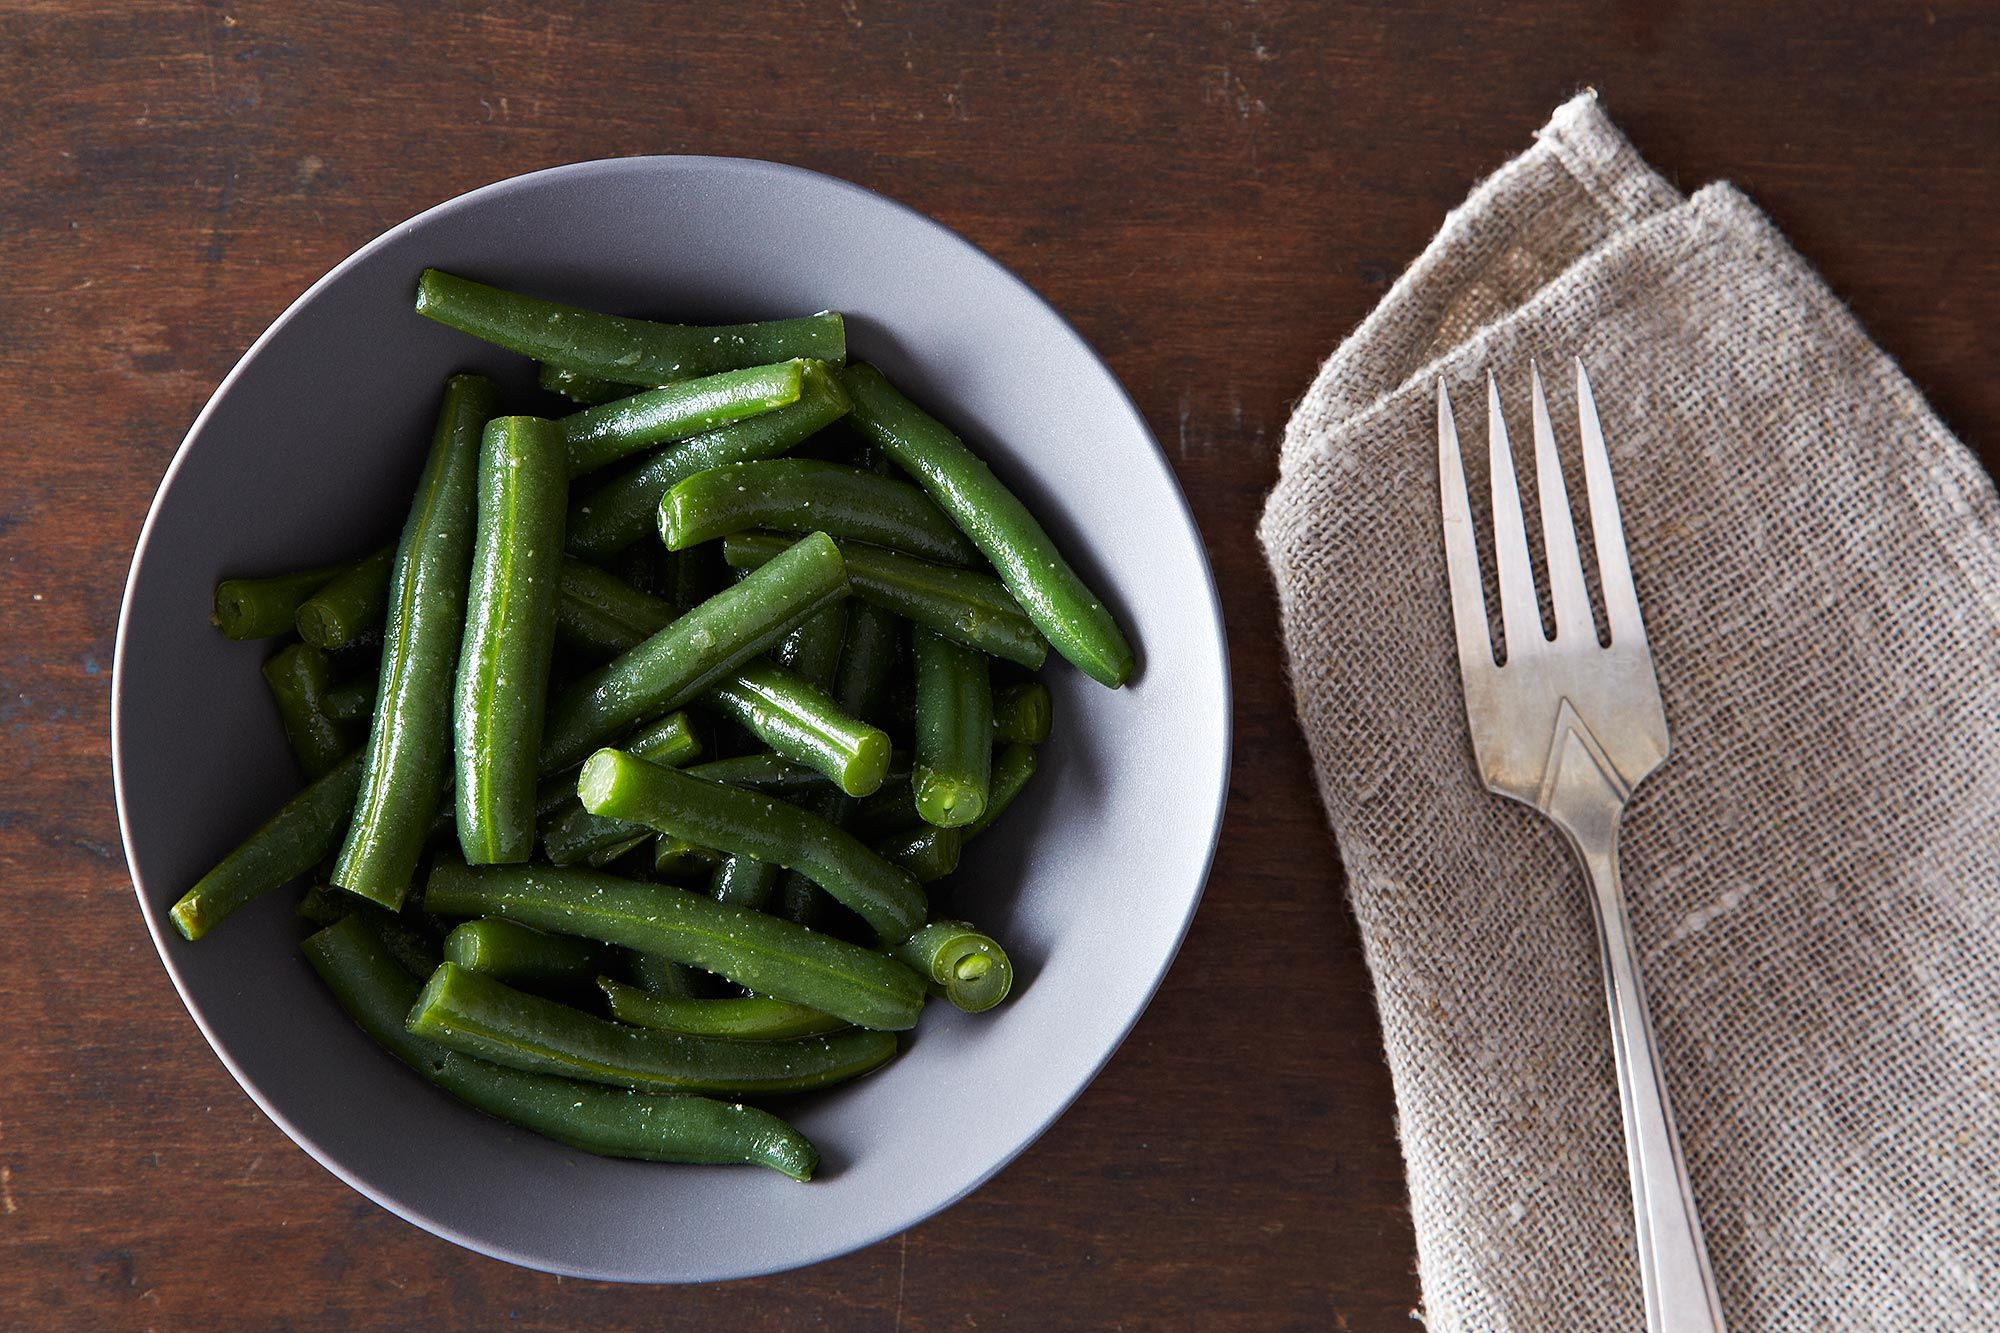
1570, 728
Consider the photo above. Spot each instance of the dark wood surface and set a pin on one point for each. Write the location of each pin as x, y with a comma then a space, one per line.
1214, 194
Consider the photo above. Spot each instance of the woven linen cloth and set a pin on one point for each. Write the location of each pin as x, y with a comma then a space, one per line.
1813, 876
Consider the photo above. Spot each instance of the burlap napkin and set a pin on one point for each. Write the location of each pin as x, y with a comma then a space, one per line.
1813, 875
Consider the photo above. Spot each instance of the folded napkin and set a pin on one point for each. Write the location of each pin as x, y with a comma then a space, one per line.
1814, 876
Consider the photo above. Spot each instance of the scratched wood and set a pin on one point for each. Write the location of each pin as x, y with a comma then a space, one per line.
1213, 193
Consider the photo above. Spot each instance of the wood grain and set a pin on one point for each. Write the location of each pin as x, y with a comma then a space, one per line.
1213, 193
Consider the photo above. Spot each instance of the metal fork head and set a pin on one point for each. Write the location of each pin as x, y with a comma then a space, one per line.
1551, 691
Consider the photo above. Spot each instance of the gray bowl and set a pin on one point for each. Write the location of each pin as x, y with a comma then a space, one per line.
309, 450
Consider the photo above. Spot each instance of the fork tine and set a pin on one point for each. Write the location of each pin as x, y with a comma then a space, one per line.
1566, 590
1461, 550
1607, 530
1520, 617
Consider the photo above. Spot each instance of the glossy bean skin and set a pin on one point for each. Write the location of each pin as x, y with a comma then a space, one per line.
893, 809
510, 624
587, 390
745, 1018
300, 677
953, 762
410, 742
350, 606
351, 701
1072, 617
572, 835
765, 773
620, 511
263, 608
1013, 765
802, 723
747, 824
960, 963
693, 653
599, 436
676, 859
812, 651
474, 1014
378, 995
809, 495
785, 711
662, 976
971, 608
1022, 713
610, 347
744, 881
523, 956
758, 952
929, 853
870, 652
294, 840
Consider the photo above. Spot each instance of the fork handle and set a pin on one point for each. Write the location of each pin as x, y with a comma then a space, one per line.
1673, 1261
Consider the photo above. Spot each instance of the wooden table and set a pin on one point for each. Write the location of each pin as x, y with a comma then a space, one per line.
1214, 193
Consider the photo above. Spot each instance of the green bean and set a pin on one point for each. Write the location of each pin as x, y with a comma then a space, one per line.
744, 881
1021, 712
668, 740
349, 606
1067, 612
695, 652
803, 724
263, 608
299, 677
744, 1018
601, 614
510, 624
570, 834
807, 495
763, 772
293, 841
661, 976
351, 701
407, 943
973, 609
929, 853
410, 742
578, 387
954, 753
676, 857
812, 651
731, 820
601, 435
377, 994
523, 956
1012, 768
758, 952
479, 1016
958, 962
802, 901
322, 905
867, 668
892, 809
626, 508
627, 351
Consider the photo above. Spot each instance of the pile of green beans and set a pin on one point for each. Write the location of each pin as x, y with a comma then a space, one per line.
601, 841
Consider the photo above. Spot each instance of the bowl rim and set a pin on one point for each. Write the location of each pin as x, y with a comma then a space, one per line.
163, 939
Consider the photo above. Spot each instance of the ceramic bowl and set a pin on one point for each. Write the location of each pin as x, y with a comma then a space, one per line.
308, 452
